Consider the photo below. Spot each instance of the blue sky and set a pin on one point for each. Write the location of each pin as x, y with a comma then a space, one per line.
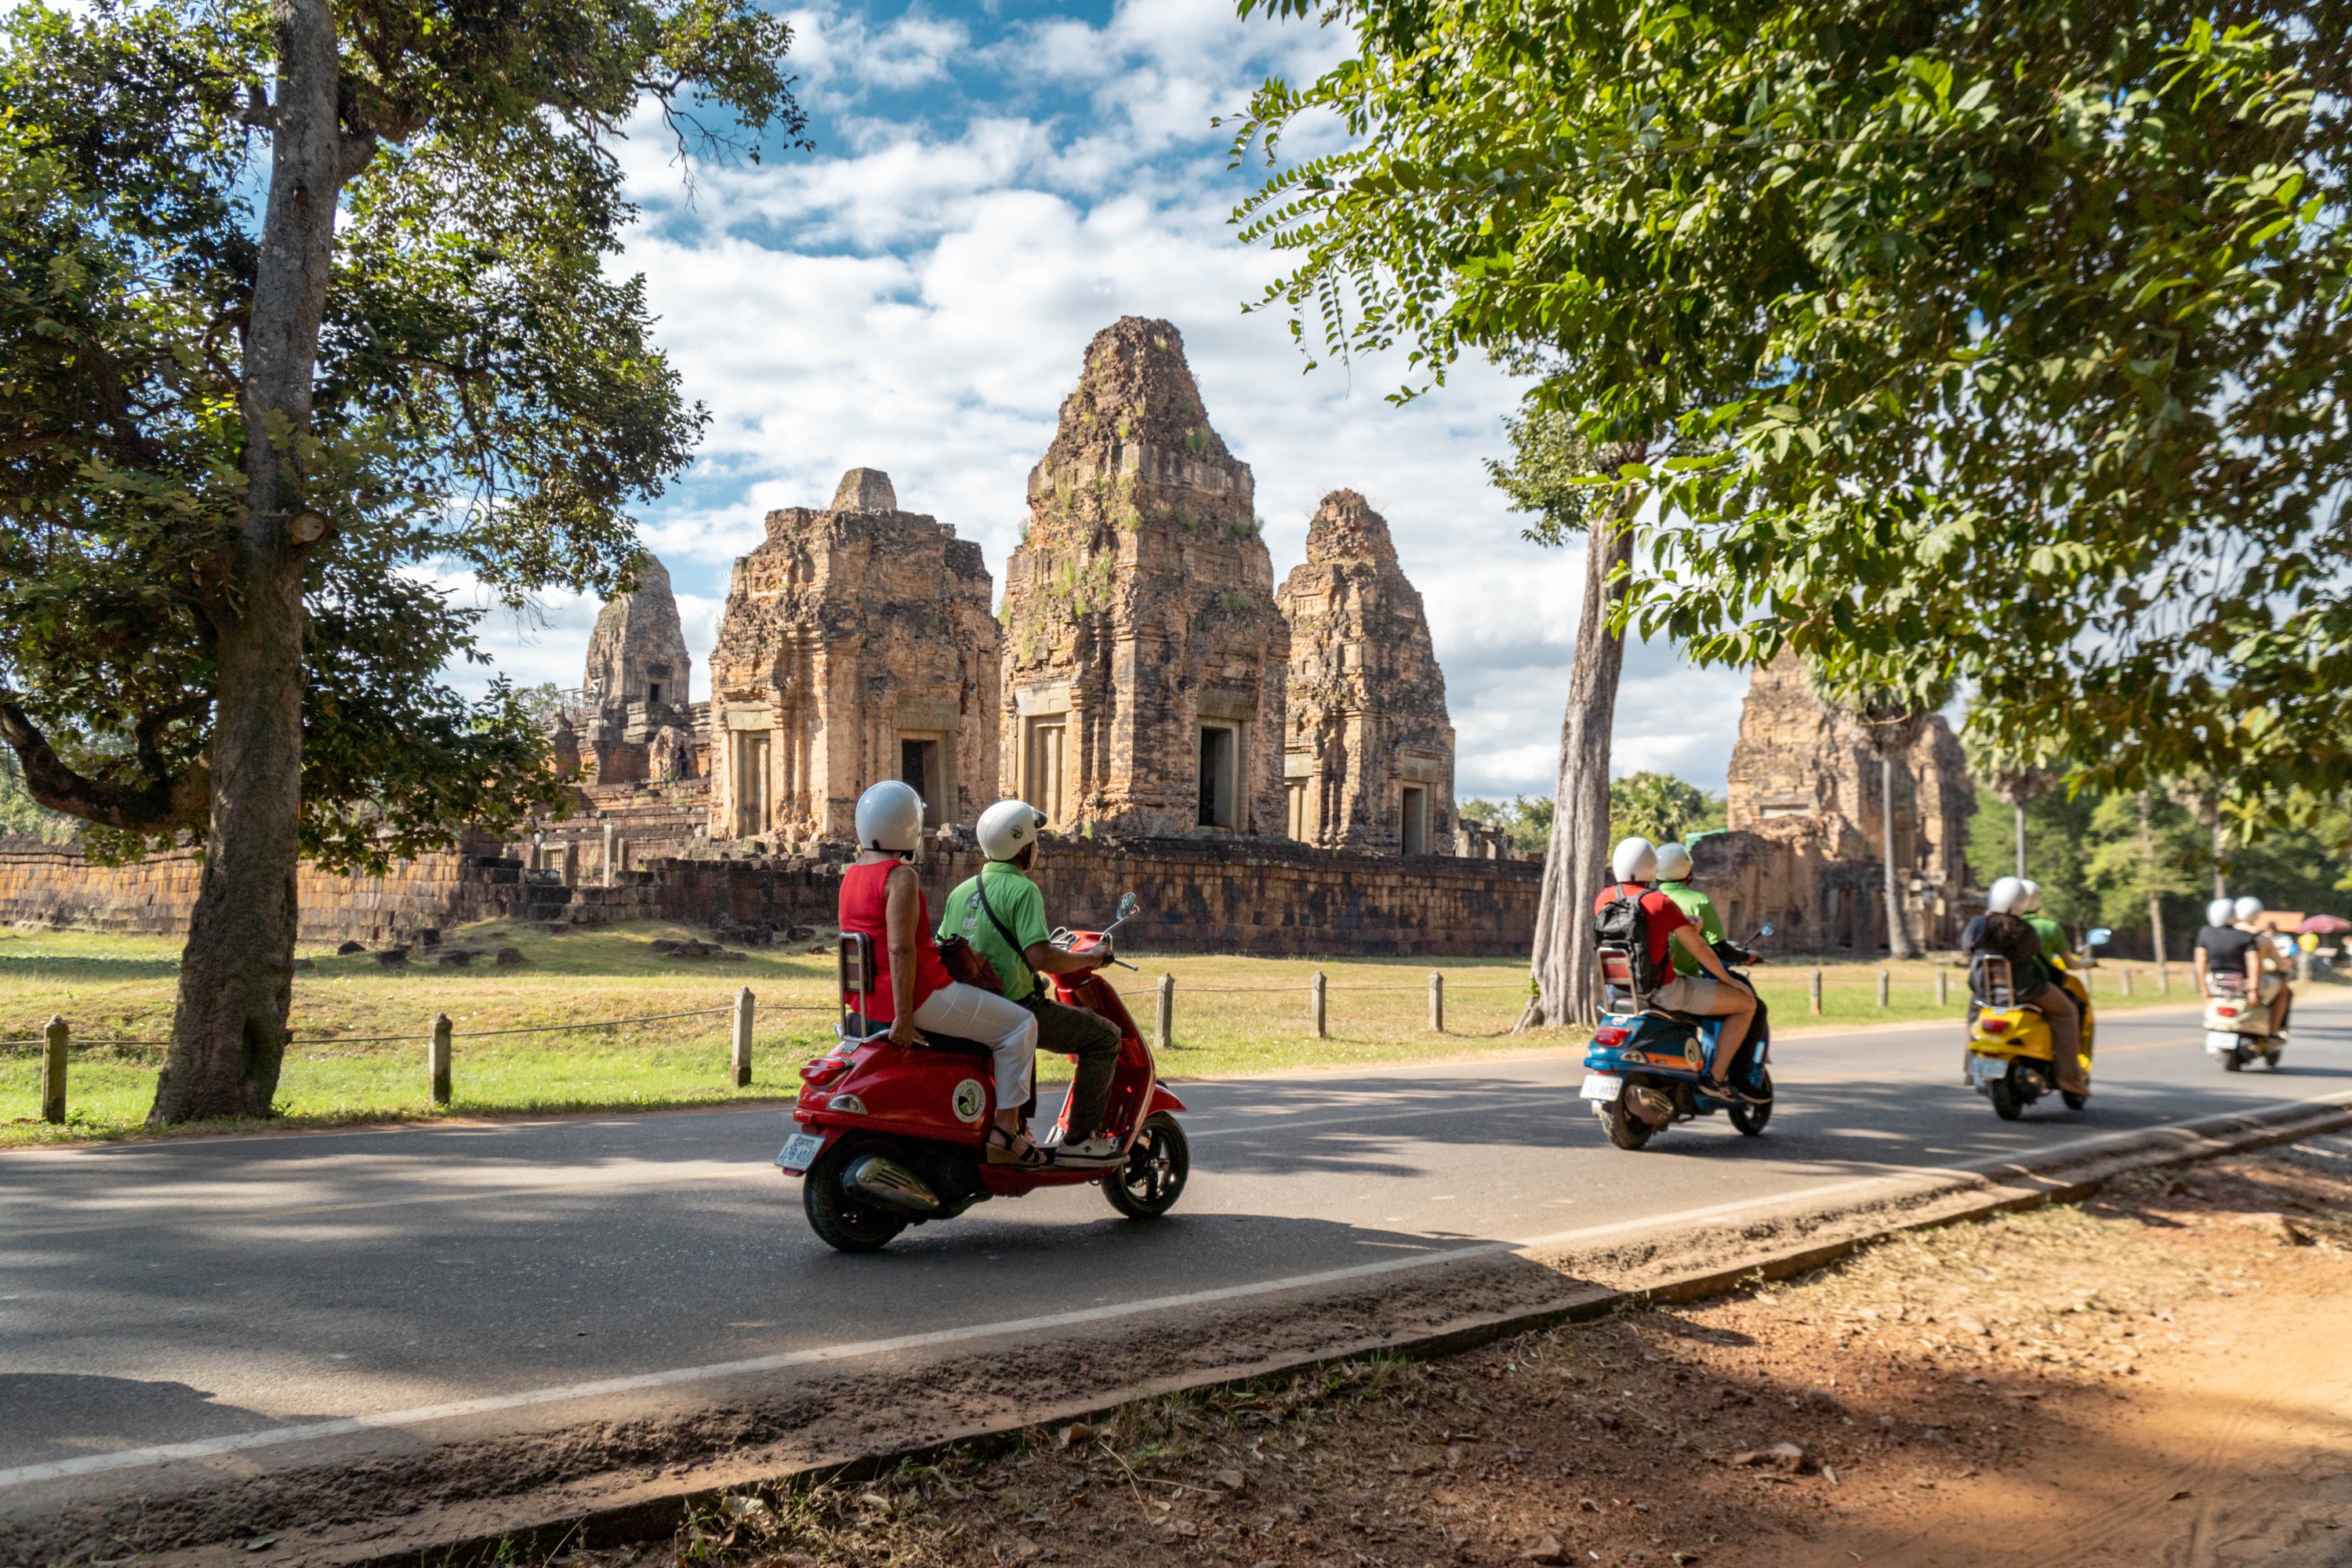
993, 184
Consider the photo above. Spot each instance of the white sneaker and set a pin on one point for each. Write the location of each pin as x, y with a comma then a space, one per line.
1095, 1151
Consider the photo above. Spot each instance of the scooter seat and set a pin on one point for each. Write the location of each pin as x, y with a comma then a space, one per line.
954, 1045
1696, 1020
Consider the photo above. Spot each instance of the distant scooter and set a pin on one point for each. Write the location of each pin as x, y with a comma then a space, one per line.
2012, 1054
891, 1135
1644, 1070
2238, 1027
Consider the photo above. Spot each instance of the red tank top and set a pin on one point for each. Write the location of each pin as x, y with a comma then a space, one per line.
865, 898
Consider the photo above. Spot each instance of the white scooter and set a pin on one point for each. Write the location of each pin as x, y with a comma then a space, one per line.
2238, 1027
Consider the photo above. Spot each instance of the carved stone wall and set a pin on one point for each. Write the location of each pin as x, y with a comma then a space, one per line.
1369, 759
1145, 656
857, 645
1804, 774
631, 718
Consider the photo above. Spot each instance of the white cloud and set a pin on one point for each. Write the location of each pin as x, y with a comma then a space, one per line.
917, 298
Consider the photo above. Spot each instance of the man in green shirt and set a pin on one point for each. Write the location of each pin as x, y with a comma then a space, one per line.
1674, 880
1002, 913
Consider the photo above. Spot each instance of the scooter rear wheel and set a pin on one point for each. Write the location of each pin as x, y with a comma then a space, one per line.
2007, 1103
1625, 1130
839, 1220
1153, 1178
2235, 1061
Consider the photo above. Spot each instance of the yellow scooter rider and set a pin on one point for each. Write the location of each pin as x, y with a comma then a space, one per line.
2055, 957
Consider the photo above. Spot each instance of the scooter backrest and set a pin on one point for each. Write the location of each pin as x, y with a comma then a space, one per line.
1989, 979
1617, 968
856, 962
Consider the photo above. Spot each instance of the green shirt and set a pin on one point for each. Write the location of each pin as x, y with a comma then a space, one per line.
2053, 935
1022, 908
1701, 910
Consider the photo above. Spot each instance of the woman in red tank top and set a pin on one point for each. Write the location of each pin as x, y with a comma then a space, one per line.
882, 899
867, 901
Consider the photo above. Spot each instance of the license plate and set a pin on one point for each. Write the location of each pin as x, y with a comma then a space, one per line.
798, 1150
1602, 1086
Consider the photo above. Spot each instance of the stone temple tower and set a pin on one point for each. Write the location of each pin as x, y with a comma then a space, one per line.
856, 646
633, 691
1144, 654
1370, 765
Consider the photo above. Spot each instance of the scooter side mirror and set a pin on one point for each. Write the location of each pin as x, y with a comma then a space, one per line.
1764, 930
1128, 906
2097, 937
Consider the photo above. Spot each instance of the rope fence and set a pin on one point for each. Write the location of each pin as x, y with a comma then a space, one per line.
58, 1040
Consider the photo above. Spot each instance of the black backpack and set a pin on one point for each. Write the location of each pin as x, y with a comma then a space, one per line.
1622, 922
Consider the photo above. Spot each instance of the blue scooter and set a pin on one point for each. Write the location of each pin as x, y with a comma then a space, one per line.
1643, 1069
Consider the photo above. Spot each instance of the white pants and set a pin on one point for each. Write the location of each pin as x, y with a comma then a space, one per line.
1006, 1028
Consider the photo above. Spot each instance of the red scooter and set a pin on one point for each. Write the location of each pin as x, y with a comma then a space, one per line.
891, 1135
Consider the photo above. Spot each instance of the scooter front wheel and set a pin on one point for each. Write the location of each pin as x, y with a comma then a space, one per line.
1153, 1178
841, 1221
1751, 1119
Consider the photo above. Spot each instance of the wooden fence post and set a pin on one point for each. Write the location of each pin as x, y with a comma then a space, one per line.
1164, 1026
1436, 1002
1943, 987
742, 1053
1882, 987
1318, 1018
2127, 979
53, 1070
1816, 992
437, 1058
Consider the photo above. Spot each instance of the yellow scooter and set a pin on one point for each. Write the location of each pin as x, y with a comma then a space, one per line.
2012, 1056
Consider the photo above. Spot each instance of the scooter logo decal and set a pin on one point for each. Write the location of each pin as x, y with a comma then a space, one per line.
971, 1100
1691, 1054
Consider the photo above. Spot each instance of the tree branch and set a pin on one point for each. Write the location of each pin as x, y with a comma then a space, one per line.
163, 804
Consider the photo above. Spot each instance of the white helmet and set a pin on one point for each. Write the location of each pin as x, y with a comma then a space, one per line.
2220, 912
2247, 909
1673, 863
1636, 861
2031, 904
1008, 827
891, 817
2005, 896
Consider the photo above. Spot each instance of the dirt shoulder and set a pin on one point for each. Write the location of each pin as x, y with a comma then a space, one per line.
2162, 1375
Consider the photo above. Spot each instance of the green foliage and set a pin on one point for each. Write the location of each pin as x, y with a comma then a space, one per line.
1551, 473
486, 395
1661, 808
1975, 330
1526, 823
2094, 869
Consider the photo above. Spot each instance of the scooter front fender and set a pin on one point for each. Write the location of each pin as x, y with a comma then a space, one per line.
1161, 1099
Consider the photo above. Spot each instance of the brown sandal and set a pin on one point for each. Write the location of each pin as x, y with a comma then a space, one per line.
1017, 1149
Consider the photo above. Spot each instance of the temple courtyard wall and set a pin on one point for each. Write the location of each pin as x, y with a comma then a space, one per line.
1258, 897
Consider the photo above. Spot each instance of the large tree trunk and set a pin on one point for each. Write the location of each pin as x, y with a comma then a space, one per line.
1575, 860
2020, 809
236, 974
1898, 939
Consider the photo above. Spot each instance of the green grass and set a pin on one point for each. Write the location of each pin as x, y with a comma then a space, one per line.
1233, 1015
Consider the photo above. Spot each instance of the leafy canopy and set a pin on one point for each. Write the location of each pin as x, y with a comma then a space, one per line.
487, 397
2001, 344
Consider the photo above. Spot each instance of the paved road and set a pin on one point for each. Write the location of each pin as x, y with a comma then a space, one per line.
169, 1294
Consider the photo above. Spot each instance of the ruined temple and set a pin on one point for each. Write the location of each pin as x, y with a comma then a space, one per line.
857, 645
630, 721
1145, 656
1803, 776
1369, 758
